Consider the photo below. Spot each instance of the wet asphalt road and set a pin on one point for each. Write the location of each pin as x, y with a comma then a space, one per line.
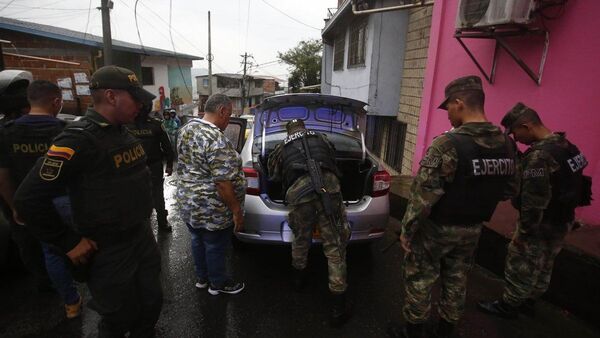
268, 307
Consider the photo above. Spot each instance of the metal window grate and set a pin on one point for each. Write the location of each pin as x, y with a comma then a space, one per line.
387, 134
338, 51
394, 152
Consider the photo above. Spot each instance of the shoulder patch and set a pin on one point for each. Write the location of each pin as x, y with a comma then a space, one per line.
431, 162
50, 169
63, 152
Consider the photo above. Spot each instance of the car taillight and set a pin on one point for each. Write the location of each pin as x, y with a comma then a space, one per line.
381, 183
252, 187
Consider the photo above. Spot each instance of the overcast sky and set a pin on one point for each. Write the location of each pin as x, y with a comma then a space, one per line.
237, 25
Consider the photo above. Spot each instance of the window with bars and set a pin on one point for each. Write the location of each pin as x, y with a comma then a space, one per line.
357, 44
338, 51
385, 138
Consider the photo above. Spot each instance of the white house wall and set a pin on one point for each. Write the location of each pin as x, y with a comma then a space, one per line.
354, 82
161, 74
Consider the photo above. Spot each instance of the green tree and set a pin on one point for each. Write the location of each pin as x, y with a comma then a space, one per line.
305, 64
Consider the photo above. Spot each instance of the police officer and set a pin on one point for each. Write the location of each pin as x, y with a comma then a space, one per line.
13, 103
552, 185
158, 148
22, 142
462, 177
104, 169
289, 163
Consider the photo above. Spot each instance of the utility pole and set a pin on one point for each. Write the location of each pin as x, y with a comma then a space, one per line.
105, 7
210, 58
245, 56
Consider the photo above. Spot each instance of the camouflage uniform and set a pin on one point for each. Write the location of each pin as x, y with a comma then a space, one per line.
441, 250
206, 156
535, 244
307, 212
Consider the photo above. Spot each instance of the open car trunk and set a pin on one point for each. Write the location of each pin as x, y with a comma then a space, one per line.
356, 180
337, 117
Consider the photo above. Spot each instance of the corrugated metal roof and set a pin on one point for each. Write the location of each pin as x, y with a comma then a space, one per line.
68, 35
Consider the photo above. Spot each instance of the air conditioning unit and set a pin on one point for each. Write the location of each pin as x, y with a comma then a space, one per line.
484, 13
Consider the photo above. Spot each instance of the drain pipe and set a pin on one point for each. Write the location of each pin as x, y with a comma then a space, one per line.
422, 3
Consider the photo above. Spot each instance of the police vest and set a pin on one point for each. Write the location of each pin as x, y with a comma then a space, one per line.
147, 132
114, 193
567, 182
480, 180
294, 157
26, 143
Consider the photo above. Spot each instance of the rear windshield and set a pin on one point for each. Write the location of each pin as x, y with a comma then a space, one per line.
344, 145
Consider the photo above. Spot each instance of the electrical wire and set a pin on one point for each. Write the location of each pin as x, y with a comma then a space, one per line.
289, 16
8, 4
88, 21
137, 27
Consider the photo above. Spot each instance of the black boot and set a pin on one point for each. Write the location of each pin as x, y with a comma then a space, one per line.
339, 313
300, 279
406, 331
528, 307
163, 224
444, 329
498, 308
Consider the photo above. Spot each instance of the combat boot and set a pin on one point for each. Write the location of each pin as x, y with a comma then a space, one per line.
499, 308
444, 329
339, 313
300, 279
163, 224
409, 330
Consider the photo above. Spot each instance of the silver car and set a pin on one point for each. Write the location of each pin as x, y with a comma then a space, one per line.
364, 183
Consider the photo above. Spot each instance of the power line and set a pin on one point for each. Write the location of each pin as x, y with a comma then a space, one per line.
289, 16
8, 4
177, 32
137, 27
88, 20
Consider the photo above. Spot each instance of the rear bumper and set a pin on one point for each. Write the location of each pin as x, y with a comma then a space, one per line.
266, 221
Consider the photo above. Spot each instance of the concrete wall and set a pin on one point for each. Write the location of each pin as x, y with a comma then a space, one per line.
566, 100
180, 84
387, 63
326, 69
161, 75
415, 59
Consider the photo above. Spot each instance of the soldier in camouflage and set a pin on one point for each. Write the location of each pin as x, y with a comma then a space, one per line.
552, 185
210, 193
463, 175
288, 163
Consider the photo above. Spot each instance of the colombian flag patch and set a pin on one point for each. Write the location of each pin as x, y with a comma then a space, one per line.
64, 152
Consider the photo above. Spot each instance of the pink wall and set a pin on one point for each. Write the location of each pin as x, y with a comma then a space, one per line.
567, 100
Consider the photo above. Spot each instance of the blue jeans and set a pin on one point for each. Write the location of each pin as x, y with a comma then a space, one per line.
209, 249
60, 275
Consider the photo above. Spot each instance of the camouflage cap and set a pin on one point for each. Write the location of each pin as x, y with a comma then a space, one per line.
513, 115
461, 84
294, 125
113, 77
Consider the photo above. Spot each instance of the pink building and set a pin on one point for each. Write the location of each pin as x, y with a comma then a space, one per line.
568, 98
